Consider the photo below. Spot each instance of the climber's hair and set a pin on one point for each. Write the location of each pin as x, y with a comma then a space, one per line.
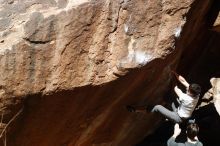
195, 89
192, 131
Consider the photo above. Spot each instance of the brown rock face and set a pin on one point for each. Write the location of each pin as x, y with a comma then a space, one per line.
72, 66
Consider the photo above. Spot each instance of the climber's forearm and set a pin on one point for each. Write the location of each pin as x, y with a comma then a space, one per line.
183, 81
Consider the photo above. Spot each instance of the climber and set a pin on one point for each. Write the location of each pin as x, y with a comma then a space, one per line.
187, 103
192, 131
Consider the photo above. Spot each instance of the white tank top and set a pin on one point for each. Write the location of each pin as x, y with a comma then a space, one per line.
187, 105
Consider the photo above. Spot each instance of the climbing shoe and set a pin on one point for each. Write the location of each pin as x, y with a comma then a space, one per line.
130, 108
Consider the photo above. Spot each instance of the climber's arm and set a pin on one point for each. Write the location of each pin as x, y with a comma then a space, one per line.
178, 92
181, 79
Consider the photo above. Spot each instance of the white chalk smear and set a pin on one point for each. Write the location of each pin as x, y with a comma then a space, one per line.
178, 31
138, 57
142, 58
126, 28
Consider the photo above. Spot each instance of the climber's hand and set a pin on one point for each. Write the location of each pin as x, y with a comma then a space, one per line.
176, 75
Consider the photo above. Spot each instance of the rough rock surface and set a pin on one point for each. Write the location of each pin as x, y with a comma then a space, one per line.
41, 39
213, 94
216, 93
217, 24
72, 66
209, 122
